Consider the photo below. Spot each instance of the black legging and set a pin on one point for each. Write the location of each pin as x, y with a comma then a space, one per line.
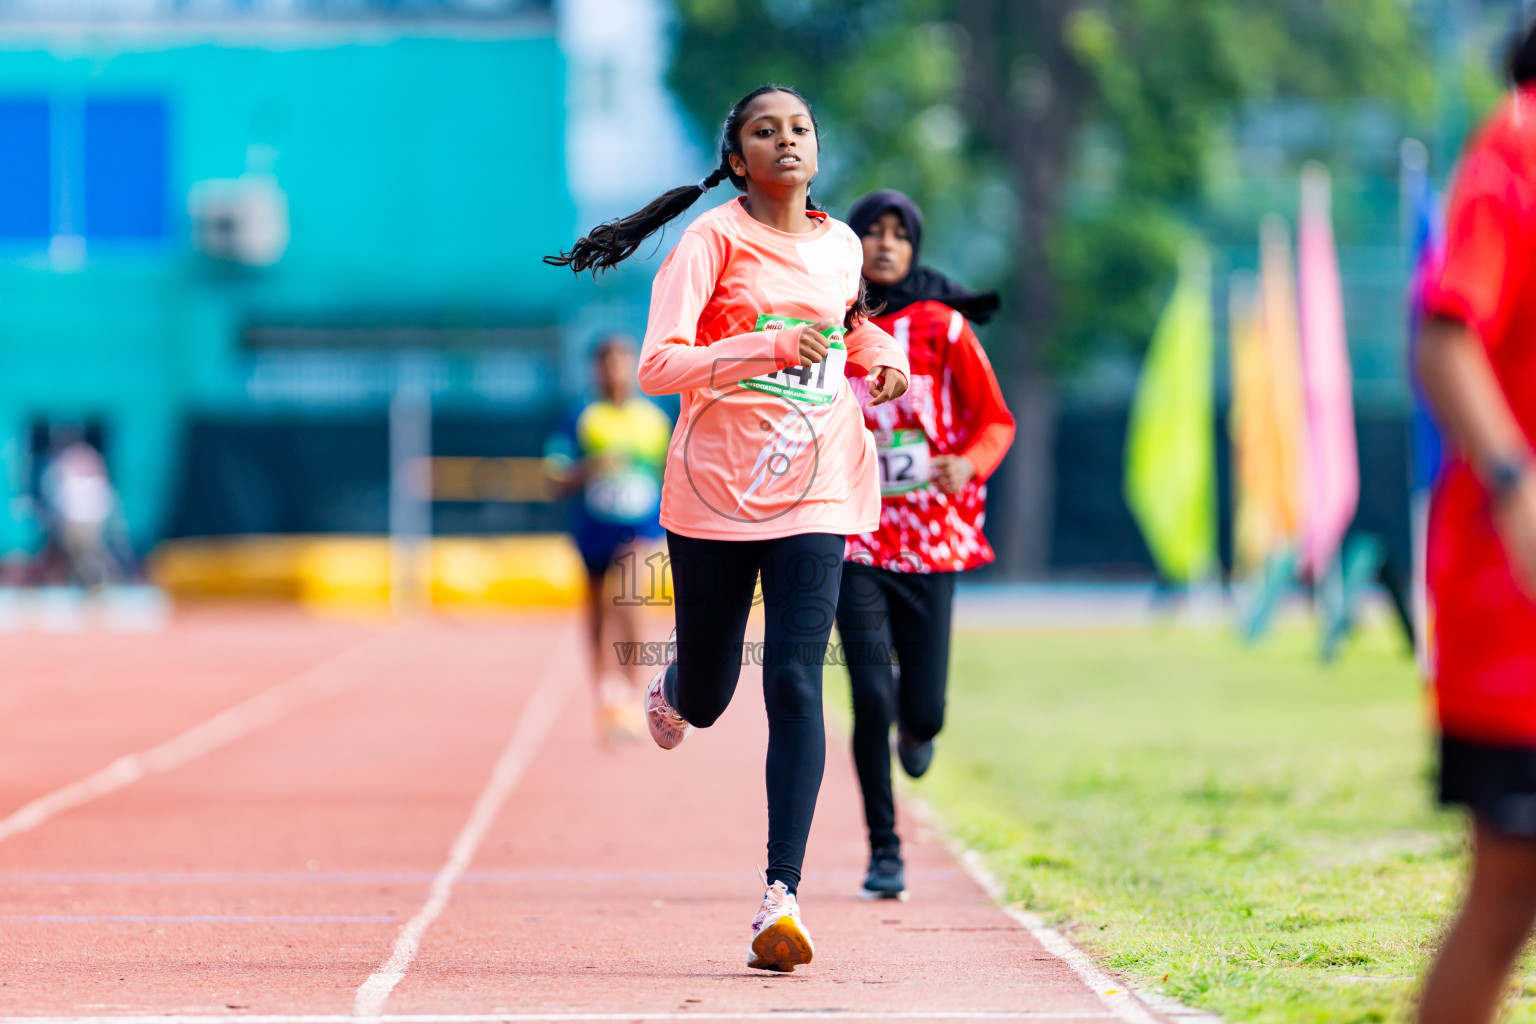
880, 612
712, 582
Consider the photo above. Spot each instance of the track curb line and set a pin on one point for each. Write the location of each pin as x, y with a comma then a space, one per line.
1127, 1002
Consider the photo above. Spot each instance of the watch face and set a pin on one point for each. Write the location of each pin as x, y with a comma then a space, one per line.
1504, 474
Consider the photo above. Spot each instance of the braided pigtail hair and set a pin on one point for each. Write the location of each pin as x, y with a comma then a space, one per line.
612, 243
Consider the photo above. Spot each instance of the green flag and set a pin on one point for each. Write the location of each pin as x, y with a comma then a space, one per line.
1170, 456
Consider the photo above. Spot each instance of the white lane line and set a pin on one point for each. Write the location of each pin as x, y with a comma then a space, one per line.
559, 1018
532, 726
416, 877
335, 675
195, 918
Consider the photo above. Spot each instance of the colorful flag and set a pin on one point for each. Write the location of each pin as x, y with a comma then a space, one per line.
1170, 457
1427, 445
1428, 248
1259, 485
1332, 484
1282, 347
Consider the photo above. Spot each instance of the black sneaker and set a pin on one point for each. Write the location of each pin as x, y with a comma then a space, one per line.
915, 757
886, 879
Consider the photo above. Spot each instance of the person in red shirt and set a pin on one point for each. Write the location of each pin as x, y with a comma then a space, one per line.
1478, 363
935, 446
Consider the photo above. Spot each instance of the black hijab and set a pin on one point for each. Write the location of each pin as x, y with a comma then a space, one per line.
1522, 57
922, 283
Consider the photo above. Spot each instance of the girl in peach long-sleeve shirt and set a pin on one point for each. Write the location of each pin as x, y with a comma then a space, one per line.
745, 461
754, 317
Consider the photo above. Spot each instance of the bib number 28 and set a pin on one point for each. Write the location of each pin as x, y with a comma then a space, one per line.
817, 384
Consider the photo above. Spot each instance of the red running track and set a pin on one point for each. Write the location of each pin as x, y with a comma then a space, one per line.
258, 816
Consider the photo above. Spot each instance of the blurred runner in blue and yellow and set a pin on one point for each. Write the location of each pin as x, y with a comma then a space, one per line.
609, 454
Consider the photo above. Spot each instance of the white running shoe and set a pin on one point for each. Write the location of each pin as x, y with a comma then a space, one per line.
779, 939
619, 720
668, 728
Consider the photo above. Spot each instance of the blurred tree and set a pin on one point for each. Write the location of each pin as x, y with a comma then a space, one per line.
941, 97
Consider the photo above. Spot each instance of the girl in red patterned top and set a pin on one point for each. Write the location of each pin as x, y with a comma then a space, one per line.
936, 446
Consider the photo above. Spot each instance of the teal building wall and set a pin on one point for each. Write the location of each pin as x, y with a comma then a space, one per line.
425, 177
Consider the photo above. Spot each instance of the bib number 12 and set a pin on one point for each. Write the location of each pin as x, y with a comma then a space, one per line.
903, 457
817, 384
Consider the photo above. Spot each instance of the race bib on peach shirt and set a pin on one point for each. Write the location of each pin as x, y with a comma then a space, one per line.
818, 384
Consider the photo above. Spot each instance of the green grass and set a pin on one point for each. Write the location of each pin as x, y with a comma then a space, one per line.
1241, 829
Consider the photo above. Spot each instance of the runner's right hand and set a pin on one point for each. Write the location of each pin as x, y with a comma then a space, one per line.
813, 346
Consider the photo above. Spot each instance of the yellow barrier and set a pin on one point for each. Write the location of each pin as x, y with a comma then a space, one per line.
353, 572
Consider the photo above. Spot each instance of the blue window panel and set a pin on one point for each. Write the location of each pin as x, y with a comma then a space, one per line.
25, 206
125, 167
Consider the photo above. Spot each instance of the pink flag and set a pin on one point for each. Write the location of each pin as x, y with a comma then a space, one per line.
1333, 471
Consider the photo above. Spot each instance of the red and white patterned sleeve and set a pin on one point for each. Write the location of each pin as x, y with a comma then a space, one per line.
977, 389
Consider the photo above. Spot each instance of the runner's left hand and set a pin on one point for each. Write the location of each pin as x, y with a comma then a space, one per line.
951, 472
885, 383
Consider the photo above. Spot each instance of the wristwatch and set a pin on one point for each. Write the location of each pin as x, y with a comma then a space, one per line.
1504, 473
